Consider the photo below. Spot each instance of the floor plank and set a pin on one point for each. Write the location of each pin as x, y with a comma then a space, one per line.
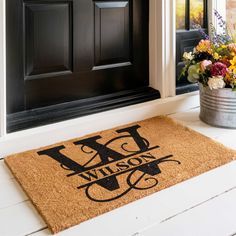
214, 218
11, 193
5, 173
19, 220
191, 119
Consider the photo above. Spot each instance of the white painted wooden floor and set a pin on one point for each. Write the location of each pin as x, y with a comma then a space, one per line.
202, 206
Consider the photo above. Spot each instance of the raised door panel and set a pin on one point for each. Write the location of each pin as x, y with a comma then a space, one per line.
112, 33
48, 39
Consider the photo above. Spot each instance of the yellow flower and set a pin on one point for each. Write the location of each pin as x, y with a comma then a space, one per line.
228, 77
204, 46
216, 56
223, 46
233, 65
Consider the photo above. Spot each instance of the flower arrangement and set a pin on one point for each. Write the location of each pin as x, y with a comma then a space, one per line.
213, 61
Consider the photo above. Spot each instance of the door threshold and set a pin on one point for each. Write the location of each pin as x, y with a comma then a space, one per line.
60, 112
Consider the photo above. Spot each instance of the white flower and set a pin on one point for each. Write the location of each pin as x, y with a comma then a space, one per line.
193, 73
216, 82
188, 56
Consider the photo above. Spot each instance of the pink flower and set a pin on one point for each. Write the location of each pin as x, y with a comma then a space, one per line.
218, 69
204, 64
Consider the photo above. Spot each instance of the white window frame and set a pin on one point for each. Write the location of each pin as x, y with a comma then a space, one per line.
220, 6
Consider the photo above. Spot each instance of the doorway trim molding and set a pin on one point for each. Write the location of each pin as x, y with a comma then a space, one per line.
162, 36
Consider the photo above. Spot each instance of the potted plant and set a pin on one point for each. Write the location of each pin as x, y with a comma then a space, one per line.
212, 64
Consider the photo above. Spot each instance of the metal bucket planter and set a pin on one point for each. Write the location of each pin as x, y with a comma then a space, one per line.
218, 107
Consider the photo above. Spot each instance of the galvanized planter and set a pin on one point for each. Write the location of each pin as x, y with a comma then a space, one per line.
218, 107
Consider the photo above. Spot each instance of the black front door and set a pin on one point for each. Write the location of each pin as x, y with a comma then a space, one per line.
65, 50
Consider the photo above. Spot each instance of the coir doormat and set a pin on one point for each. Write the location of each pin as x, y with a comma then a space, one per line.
73, 181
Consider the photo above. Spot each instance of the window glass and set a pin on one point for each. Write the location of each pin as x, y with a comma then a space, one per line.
196, 12
180, 14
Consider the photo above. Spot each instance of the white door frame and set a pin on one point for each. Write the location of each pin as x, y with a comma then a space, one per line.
162, 47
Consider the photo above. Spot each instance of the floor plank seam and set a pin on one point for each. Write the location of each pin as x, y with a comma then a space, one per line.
197, 205
4, 208
135, 234
193, 108
37, 231
7, 179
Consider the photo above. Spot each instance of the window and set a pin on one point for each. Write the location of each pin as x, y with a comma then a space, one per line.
180, 14
188, 13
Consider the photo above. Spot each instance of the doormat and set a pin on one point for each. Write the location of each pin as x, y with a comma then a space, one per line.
76, 180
